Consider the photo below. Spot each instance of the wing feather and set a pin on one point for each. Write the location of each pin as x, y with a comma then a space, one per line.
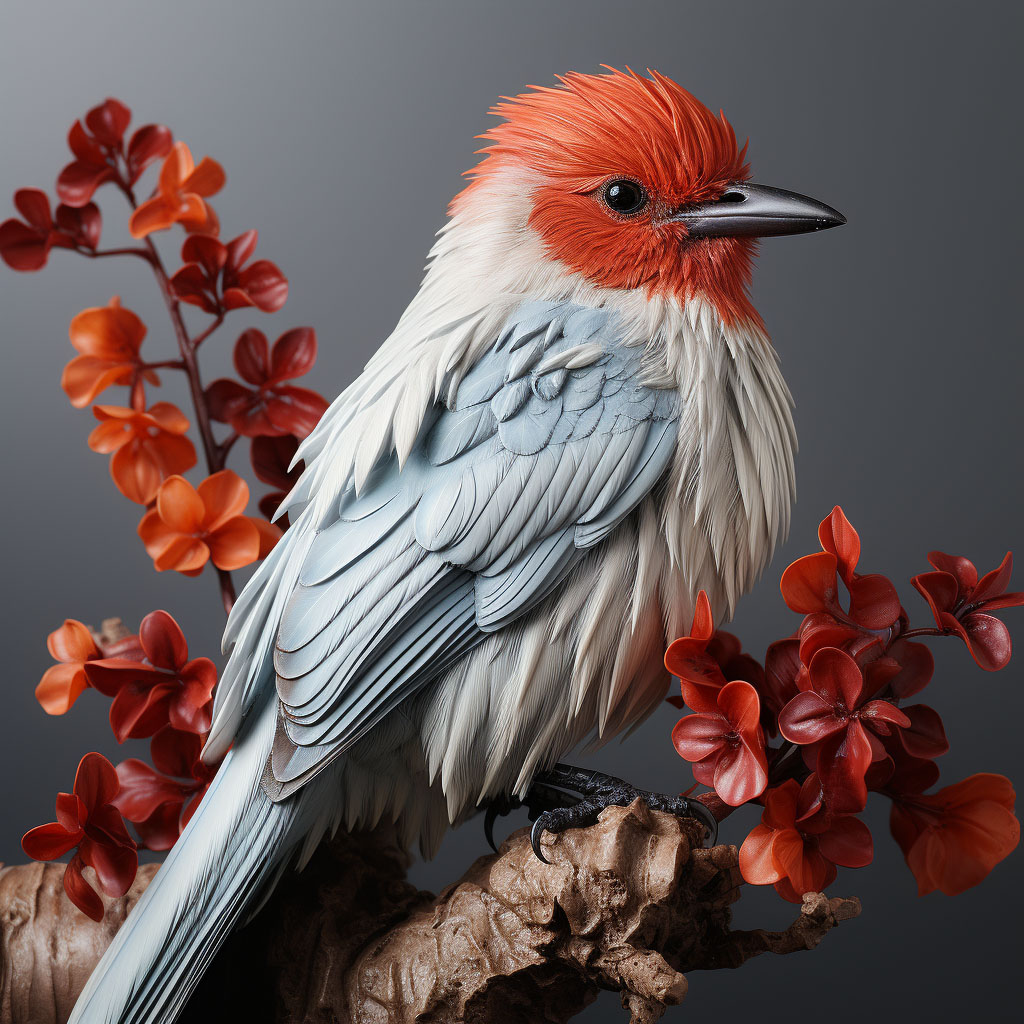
550, 440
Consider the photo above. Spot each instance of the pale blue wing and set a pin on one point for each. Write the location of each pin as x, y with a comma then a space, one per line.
552, 440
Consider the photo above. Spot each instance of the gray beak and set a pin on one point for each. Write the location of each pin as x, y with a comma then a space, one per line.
757, 211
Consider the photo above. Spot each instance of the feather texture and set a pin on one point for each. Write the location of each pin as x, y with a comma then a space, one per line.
540, 458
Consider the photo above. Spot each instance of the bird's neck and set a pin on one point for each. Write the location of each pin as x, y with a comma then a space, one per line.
732, 483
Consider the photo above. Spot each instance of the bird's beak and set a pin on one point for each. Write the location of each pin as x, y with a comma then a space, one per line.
756, 211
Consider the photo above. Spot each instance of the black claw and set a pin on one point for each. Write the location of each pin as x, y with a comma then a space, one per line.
705, 815
535, 837
489, 819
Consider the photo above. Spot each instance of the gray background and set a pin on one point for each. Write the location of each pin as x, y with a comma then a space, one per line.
344, 129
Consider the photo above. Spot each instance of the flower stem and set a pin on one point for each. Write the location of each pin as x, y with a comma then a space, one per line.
187, 348
203, 335
98, 254
929, 631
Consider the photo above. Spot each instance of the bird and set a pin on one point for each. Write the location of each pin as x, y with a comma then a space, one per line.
578, 424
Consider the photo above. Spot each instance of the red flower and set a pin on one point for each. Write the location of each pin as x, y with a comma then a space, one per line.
953, 838
181, 195
831, 719
215, 278
109, 339
72, 646
190, 526
95, 146
797, 845
160, 800
727, 746
271, 458
961, 602
899, 773
700, 676
810, 584
165, 687
87, 819
148, 447
25, 245
784, 677
270, 407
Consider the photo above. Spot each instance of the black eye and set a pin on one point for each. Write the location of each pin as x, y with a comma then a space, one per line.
624, 196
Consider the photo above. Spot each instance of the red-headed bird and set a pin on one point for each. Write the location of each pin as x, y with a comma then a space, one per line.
577, 425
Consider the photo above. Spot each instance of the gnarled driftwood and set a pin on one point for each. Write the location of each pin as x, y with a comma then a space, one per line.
630, 904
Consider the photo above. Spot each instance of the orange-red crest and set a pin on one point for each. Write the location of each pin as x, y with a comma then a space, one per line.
593, 129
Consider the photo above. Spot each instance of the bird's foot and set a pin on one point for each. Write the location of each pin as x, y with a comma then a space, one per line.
597, 791
538, 800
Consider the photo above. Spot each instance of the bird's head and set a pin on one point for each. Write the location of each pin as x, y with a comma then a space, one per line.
632, 183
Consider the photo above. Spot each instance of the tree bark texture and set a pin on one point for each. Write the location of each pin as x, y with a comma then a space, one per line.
630, 904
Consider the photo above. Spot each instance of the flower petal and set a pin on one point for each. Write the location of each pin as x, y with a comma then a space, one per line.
847, 842
72, 642
60, 687
809, 583
180, 506
757, 865
836, 677
48, 842
206, 180
80, 892
293, 355
235, 544
874, 603
988, 640
163, 641
224, 496
741, 774
95, 781
838, 537
697, 737
843, 761
156, 214
87, 376
808, 718
925, 736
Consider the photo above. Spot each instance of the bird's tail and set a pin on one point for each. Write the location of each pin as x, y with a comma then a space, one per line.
229, 856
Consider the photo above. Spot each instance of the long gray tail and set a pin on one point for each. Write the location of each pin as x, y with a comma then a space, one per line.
233, 849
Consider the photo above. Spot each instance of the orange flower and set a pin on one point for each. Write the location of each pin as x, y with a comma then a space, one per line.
72, 646
798, 844
148, 447
181, 195
953, 838
109, 338
191, 526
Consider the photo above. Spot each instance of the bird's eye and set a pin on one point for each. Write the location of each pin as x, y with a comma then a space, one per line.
624, 197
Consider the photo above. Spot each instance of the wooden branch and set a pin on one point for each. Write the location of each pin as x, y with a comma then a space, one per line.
630, 904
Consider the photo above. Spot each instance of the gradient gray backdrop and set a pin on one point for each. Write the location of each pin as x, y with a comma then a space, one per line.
344, 128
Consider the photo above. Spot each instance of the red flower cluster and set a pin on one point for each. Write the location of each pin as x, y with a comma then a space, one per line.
160, 800
164, 687
216, 279
157, 691
961, 604
26, 244
100, 154
270, 407
181, 196
834, 694
88, 822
